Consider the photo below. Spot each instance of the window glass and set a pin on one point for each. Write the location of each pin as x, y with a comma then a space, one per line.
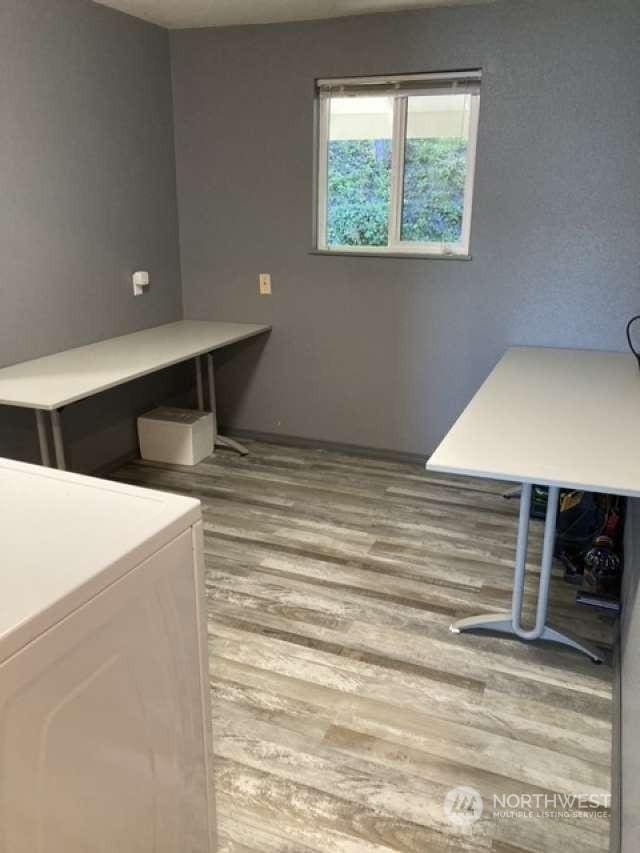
359, 171
435, 168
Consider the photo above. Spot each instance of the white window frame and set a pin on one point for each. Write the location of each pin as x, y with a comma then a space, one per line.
395, 245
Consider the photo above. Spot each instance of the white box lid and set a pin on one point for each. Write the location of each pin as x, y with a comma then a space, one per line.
65, 537
176, 416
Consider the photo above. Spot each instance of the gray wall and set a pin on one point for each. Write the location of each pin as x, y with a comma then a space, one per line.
87, 179
629, 721
386, 352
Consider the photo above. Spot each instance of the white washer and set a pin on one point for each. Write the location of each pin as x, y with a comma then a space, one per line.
104, 707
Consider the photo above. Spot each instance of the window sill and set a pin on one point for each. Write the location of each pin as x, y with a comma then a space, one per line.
341, 253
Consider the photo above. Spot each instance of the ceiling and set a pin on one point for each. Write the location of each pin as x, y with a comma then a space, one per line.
178, 14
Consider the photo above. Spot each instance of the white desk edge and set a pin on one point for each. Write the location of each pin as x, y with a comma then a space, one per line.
59, 404
601, 487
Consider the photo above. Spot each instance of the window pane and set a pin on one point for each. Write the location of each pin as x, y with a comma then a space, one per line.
435, 168
359, 171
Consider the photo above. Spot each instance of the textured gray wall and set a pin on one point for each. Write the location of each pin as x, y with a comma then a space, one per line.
630, 680
87, 178
386, 352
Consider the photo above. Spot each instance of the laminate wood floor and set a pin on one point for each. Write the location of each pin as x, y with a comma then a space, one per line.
344, 710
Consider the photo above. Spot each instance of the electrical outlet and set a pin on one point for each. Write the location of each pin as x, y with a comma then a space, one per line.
264, 284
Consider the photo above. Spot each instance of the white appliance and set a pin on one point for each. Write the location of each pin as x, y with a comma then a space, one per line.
104, 704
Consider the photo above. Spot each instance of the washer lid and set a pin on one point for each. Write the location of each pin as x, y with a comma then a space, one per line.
65, 537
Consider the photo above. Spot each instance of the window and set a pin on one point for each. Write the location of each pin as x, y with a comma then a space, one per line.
396, 158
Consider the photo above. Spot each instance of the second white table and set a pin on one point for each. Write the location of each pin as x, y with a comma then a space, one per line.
554, 417
50, 383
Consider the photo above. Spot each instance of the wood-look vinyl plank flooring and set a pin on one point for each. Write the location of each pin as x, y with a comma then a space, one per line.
343, 708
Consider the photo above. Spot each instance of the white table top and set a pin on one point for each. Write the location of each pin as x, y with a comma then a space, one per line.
553, 417
57, 380
65, 537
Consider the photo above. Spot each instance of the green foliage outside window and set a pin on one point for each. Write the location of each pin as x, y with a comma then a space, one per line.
358, 192
359, 184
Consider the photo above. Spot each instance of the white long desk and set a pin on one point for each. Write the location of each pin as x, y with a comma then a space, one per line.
554, 417
50, 383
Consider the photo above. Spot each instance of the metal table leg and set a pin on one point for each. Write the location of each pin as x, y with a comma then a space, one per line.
43, 439
58, 442
512, 623
212, 392
220, 440
199, 384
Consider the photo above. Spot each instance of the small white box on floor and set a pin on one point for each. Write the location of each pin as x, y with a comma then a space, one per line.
178, 436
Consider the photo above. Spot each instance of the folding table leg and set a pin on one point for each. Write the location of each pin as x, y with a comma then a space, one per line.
199, 384
512, 623
220, 440
43, 438
212, 393
58, 442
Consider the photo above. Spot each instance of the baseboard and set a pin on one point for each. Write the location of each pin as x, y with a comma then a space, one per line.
286, 440
319, 444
